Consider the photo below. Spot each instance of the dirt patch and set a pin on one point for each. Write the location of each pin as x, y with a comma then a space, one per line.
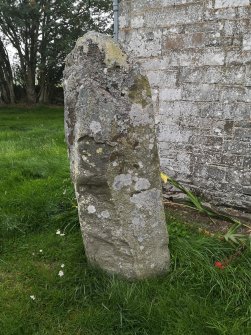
200, 221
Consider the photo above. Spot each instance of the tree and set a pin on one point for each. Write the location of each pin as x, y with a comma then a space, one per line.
6, 77
62, 24
43, 32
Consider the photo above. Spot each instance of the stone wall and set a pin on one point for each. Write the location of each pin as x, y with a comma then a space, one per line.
197, 54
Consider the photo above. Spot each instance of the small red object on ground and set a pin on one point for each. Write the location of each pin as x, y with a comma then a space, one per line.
219, 265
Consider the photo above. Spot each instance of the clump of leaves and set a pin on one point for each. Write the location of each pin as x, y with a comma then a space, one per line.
231, 236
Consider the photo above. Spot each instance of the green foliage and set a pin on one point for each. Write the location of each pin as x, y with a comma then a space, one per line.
231, 236
37, 199
43, 32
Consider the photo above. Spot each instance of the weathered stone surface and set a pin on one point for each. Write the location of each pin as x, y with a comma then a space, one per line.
197, 56
231, 3
109, 123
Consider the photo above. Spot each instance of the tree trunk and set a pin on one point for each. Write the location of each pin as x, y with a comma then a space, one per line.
30, 87
12, 93
44, 94
7, 88
3, 95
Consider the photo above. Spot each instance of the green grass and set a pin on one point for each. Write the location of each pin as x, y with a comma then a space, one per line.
34, 182
36, 199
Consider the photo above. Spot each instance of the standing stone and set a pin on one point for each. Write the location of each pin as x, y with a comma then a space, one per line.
109, 123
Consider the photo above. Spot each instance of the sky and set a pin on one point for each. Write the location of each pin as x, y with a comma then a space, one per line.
11, 52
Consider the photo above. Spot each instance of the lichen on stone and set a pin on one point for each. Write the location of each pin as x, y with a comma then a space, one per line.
115, 173
114, 56
140, 91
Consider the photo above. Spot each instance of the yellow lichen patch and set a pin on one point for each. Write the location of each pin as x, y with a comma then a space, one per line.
114, 56
99, 151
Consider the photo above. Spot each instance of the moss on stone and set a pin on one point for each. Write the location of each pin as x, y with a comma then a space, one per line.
140, 91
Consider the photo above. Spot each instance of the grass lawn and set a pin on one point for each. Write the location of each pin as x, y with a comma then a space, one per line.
36, 199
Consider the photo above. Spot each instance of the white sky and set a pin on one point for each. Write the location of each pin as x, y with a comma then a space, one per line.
11, 52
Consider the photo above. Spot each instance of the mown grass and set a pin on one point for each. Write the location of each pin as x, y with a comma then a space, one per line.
37, 198
34, 180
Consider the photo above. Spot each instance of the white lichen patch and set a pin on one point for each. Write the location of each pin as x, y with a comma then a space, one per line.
218, 131
105, 214
86, 153
139, 116
142, 184
91, 209
122, 180
95, 127
150, 200
138, 222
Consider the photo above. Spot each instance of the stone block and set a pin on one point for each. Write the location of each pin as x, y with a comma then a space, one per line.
214, 142
144, 43
231, 3
244, 12
236, 147
203, 27
248, 75
247, 163
137, 22
151, 64
139, 6
204, 92
232, 161
244, 134
173, 133
180, 41
233, 93
247, 42
204, 157
174, 42
213, 75
225, 13
234, 176
169, 94
162, 78
236, 57
175, 15
175, 109
236, 27
180, 58
109, 122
